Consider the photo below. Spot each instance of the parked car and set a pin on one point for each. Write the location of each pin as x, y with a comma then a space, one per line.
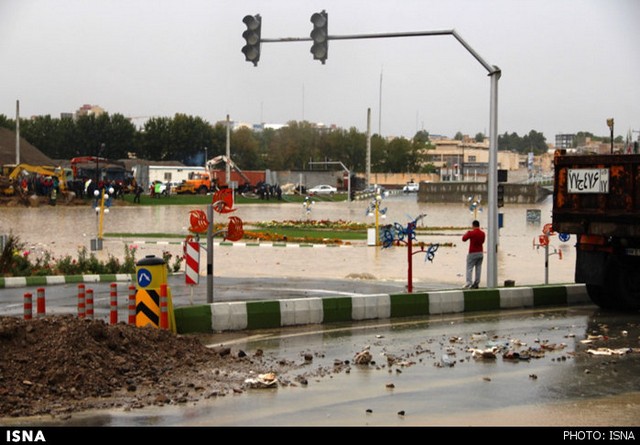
374, 189
322, 190
411, 187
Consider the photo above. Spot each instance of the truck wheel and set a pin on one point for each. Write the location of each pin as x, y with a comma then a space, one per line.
202, 190
600, 297
624, 282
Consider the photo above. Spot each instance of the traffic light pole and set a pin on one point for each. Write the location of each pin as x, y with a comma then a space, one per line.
492, 180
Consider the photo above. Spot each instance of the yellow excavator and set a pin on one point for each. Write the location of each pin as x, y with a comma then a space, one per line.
11, 178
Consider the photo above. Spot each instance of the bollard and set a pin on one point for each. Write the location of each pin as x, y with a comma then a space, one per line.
89, 302
132, 305
28, 308
114, 304
41, 311
81, 304
164, 314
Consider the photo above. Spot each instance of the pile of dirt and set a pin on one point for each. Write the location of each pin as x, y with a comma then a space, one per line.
58, 365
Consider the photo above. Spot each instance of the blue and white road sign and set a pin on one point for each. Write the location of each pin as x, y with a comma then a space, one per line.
144, 277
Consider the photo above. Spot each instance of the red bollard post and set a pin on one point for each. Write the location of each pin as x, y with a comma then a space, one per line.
28, 308
41, 310
132, 305
164, 314
89, 301
81, 303
113, 316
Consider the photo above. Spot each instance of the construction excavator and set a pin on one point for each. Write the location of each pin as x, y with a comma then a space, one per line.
11, 178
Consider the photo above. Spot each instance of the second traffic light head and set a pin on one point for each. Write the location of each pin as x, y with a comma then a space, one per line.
251, 49
320, 36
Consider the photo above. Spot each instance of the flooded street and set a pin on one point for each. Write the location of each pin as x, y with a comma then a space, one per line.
567, 386
63, 231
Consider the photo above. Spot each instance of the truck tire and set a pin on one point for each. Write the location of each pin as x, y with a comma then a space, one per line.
599, 296
623, 281
202, 190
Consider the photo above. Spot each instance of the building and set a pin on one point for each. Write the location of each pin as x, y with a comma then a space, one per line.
88, 110
467, 160
565, 140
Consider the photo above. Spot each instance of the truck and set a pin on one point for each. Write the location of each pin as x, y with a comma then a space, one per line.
197, 183
596, 198
212, 179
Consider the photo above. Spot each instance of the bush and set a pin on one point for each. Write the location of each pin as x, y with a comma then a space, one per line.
15, 261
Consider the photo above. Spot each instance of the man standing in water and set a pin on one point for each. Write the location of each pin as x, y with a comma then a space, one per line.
476, 237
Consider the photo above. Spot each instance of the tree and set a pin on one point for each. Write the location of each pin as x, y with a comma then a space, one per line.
422, 136
152, 144
245, 149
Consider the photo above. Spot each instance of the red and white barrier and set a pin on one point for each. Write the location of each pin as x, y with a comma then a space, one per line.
41, 310
28, 306
81, 301
132, 305
89, 304
164, 307
113, 304
192, 262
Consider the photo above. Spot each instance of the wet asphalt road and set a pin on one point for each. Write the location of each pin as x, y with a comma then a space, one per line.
410, 381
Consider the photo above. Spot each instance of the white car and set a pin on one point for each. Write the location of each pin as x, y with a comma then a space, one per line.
411, 187
322, 190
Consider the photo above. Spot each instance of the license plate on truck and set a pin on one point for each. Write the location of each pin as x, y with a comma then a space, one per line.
588, 180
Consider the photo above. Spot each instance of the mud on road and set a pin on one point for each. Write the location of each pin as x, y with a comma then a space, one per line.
60, 365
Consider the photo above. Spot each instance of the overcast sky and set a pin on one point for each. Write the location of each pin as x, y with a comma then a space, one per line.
567, 65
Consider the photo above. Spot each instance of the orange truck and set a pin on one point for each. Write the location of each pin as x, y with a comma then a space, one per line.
202, 183
198, 183
596, 198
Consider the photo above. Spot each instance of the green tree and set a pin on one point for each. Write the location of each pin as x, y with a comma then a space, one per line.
422, 136
5, 122
188, 136
245, 150
152, 141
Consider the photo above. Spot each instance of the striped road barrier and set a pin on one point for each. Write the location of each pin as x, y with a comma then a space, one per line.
249, 315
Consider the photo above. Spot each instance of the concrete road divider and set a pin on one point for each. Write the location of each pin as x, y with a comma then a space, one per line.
235, 316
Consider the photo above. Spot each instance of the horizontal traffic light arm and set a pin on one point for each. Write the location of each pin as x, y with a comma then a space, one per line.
490, 68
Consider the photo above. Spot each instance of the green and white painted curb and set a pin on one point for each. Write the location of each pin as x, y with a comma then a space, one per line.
249, 315
11, 282
245, 244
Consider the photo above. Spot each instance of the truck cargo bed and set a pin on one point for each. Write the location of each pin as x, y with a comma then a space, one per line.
597, 194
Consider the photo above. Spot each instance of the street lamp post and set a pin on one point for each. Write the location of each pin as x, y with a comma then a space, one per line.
610, 124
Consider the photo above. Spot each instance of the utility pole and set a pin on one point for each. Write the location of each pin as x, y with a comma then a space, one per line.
17, 132
368, 173
228, 167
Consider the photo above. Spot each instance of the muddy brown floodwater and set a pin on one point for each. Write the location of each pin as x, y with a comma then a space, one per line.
65, 230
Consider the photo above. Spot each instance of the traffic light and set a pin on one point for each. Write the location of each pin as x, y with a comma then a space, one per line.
320, 36
500, 195
252, 35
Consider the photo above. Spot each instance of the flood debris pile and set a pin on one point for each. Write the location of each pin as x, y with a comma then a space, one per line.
58, 365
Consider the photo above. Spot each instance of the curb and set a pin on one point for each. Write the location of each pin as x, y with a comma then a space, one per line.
238, 316
246, 244
11, 282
